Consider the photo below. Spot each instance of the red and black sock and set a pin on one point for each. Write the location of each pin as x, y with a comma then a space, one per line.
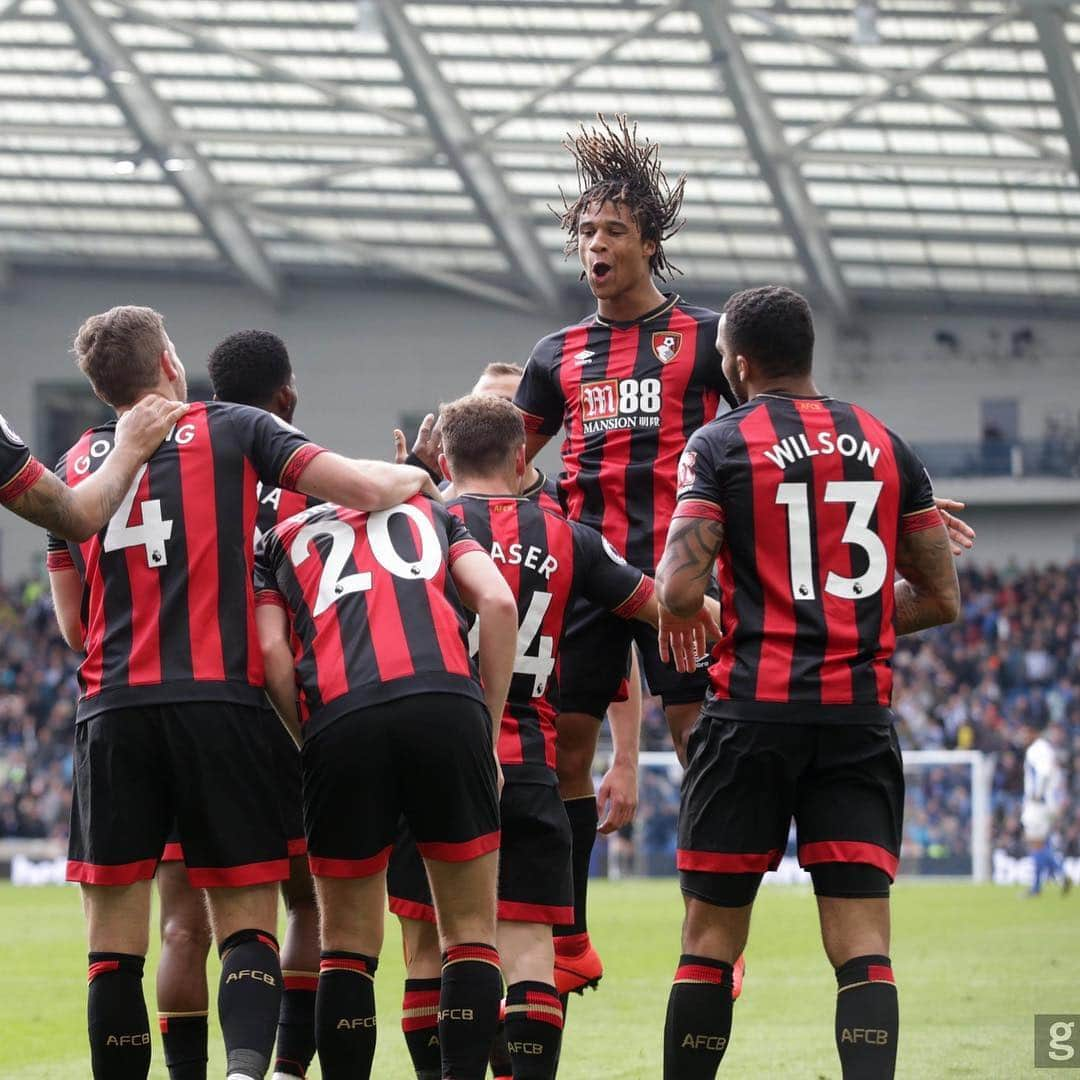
468, 1009
249, 999
534, 1023
118, 1025
296, 1023
184, 1037
345, 1015
867, 1018
698, 1024
499, 1058
420, 1025
583, 821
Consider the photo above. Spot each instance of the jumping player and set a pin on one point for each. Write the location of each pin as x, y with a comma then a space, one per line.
250, 367
394, 722
170, 724
812, 506
629, 384
547, 561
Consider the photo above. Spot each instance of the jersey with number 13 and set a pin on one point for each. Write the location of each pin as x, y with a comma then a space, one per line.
814, 495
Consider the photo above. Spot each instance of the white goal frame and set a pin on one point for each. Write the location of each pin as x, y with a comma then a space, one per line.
980, 766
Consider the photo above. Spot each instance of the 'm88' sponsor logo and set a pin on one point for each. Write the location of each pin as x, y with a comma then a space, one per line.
614, 403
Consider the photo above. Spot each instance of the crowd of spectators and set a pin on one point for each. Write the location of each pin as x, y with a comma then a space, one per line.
1011, 659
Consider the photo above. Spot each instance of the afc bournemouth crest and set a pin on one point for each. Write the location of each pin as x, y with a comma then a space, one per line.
666, 345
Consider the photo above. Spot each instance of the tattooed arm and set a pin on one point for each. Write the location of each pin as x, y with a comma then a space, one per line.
78, 513
929, 593
681, 580
689, 554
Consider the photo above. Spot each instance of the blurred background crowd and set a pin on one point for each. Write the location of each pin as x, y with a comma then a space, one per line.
1007, 668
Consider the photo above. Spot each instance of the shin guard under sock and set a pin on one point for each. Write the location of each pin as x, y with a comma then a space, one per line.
420, 1025
698, 1025
468, 1009
867, 1018
345, 1015
117, 1022
534, 1022
583, 821
296, 1023
249, 999
184, 1038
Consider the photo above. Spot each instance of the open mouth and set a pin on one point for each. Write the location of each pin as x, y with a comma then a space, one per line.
601, 270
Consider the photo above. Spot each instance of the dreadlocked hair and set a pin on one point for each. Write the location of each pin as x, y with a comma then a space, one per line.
612, 166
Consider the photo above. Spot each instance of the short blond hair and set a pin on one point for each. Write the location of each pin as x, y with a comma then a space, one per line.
119, 352
480, 433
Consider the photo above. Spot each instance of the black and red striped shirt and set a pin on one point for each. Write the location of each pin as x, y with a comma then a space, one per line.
544, 491
19, 469
168, 606
629, 396
373, 609
277, 505
814, 494
546, 560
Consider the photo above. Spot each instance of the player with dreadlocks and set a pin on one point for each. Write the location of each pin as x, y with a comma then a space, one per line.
630, 384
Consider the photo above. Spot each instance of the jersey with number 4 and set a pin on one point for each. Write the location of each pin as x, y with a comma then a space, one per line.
546, 560
814, 495
629, 395
373, 609
168, 604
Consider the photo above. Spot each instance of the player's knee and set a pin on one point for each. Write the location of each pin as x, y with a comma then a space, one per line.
716, 932
188, 935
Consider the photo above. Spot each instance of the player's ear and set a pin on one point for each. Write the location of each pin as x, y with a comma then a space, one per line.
444, 468
168, 368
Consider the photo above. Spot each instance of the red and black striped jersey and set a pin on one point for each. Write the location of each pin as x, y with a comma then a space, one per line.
814, 494
277, 505
19, 469
544, 491
168, 605
546, 560
373, 609
629, 395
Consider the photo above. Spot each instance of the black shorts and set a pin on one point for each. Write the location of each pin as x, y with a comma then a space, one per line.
290, 794
427, 757
206, 767
843, 784
594, 659
535, 883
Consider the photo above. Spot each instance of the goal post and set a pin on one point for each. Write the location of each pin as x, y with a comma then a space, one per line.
947, 818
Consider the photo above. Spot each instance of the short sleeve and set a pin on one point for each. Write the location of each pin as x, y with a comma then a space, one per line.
19, 469
539, 398
917, 507
279, 451
700, 482
267, 590
460, 540
605, 577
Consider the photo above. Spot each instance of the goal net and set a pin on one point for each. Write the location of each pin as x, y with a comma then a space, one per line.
946, 819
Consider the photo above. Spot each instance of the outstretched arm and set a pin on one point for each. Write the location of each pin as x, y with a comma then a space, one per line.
929, 592
78, 513
363, 485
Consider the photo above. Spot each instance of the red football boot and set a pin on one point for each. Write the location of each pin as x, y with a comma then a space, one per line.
738, 972
577, 964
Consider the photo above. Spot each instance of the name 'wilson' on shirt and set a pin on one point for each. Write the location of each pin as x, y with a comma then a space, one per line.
798, 447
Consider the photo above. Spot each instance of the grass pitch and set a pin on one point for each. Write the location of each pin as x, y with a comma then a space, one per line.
973, 965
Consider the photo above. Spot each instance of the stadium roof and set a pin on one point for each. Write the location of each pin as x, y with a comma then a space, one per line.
882, 152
